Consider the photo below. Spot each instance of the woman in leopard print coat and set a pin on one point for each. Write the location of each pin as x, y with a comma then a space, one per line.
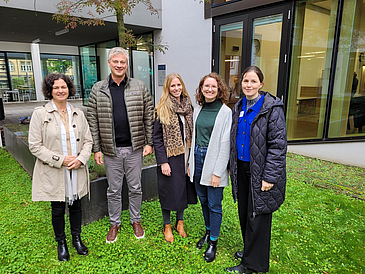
172, 139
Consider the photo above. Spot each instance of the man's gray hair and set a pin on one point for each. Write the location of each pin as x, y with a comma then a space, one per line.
118, 50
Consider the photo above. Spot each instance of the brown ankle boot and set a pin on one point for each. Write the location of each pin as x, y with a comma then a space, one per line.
179, 227
168, 233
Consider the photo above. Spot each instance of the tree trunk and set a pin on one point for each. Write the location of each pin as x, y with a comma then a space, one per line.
121, 30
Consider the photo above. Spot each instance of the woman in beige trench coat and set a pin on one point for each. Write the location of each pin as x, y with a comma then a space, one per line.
60, 138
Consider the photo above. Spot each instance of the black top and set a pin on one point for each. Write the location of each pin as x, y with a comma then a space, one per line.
120, 116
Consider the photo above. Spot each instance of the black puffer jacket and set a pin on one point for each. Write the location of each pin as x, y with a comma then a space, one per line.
268, 147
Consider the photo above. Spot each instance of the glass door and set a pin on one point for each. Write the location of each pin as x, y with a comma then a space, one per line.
265, 48
230, 58
313, 40
258, 38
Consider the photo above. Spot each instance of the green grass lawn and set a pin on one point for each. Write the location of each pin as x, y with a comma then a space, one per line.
319, 229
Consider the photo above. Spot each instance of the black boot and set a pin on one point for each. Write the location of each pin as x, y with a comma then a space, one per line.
62, 251
79, 246
240, 269
238, 255
209, 254
203, 240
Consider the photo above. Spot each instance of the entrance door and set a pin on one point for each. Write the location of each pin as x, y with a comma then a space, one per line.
258, 38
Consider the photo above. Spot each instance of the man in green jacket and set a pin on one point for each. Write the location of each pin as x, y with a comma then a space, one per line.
120, 115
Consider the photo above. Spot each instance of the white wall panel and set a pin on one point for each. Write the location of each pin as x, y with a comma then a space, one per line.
189, 37
349, 153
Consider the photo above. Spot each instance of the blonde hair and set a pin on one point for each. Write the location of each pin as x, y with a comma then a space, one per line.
164, 105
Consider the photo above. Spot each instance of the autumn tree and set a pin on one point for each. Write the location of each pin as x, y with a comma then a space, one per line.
68, 13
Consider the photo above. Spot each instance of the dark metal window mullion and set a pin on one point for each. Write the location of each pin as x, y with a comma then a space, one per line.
7, 68
97, 60
81, 77
131, 62
286, 47
333, 70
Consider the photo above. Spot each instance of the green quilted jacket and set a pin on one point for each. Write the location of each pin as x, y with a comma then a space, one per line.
139, 106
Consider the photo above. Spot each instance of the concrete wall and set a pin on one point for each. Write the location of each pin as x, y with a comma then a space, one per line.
44, 48
142, 17
350, 153
96, 207
189, 37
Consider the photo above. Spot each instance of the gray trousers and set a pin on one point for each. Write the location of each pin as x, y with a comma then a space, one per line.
128, 163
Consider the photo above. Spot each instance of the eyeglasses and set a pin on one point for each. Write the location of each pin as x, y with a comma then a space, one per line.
58, 88
207, 87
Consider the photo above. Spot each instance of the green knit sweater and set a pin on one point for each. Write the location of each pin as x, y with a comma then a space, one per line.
205, 122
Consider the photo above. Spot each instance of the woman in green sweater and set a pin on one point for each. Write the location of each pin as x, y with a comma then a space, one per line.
208, 164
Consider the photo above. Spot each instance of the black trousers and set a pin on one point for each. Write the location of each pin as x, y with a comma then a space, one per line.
256, 231
58, 219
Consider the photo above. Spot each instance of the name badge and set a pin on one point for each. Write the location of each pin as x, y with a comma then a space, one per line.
242, 113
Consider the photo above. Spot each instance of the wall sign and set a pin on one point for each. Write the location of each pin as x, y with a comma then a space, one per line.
161, 74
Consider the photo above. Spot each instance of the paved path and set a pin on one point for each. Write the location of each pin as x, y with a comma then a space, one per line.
13, 111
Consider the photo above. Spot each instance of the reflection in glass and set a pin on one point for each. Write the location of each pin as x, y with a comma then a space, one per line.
21, 74
90, 66
143, 62
230, 53
142, 69
348, 102
310, 68
4, 85
65, 64
266, 42
88, 69
103, 51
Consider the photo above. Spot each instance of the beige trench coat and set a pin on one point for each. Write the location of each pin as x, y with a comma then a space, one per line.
45, 143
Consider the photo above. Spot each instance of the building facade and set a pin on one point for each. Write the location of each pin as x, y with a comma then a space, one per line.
32, 45
312, 53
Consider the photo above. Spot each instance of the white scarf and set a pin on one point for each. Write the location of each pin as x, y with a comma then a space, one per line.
70, 175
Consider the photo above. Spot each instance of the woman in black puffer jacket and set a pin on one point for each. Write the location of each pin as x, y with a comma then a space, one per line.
257, 168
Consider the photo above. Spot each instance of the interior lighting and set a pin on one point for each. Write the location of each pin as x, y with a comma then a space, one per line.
307, 56
62, 31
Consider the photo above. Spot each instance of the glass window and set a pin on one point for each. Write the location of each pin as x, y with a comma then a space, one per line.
21, 75
11, 66
140, 65
348, 102
4, 85
65, 64
266, 42
103, 50
26, 66
143, 68
230, 53
310, 68
142, 59
89, 70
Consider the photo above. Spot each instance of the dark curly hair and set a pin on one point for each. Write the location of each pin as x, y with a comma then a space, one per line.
48, 82
222, 89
